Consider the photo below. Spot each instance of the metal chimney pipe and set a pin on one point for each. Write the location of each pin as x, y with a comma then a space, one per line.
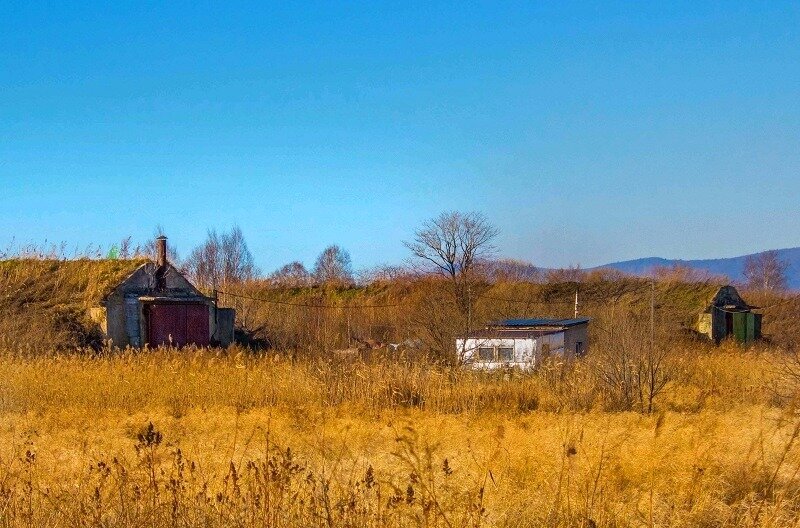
161, 251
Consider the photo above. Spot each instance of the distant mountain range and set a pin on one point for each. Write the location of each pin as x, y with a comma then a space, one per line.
731, 267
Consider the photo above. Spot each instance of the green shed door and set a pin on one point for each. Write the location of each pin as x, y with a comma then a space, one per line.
740, 326
751, 327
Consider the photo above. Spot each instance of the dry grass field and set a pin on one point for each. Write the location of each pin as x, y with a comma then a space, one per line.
206, 438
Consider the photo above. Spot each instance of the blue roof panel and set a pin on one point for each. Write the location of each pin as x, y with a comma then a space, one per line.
517, 323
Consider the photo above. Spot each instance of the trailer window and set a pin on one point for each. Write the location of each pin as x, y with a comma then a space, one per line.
505, 354
485, 354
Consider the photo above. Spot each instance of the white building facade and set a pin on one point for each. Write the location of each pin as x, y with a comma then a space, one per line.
523, 343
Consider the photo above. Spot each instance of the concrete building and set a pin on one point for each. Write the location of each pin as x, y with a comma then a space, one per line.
727, 315
523, 343
156, 305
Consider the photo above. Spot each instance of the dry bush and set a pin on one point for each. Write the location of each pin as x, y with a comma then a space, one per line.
319, 319
49, 298
298, 435
199, 437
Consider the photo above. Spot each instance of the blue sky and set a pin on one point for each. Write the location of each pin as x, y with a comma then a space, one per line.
586, 132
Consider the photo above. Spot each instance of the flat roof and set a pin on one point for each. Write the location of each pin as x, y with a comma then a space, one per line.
522, 323
509, 333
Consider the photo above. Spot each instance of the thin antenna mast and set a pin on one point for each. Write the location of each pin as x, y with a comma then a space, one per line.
576, 304
652, 314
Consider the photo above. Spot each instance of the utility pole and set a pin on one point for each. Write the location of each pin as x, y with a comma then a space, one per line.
469, 307
349, 333
576, 304
216, 310
652, 315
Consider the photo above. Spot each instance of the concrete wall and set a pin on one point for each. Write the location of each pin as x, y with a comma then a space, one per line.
97, 315
704, 325
223, 333
550, 346
112, 321
572, 337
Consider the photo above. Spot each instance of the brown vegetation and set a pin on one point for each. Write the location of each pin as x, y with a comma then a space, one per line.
44, 302
355, 414
206, 438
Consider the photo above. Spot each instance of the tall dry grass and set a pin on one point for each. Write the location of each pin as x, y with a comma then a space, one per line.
206, 438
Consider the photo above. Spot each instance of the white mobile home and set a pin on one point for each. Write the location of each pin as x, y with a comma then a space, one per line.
523, 343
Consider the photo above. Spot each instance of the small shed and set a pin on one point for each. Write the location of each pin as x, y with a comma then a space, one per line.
157, 305
523, 343
727, 315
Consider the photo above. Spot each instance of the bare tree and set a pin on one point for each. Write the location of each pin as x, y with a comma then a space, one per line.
568, 274
291, 275
453, 244
125, 248
766, 271
510, 270
632, 365
385, 273
221, 260
204, 262
333, 265
237, 261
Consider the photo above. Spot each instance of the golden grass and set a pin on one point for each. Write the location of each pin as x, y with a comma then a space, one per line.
243, 440
44, 302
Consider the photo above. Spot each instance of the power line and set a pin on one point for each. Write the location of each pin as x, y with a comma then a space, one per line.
308, 305
783, 301
525, 301
483, 296
358, 306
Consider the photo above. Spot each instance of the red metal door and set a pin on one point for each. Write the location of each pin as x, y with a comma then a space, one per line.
197, 324
166, 325
178, 324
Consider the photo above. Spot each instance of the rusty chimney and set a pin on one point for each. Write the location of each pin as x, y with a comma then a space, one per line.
161, 251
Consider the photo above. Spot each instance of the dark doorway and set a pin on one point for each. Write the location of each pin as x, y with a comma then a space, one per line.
177, 324
728, 324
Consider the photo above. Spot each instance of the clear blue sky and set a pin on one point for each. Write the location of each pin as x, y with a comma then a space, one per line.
586, 132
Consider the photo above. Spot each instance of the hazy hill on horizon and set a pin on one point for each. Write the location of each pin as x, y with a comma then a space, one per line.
732, 267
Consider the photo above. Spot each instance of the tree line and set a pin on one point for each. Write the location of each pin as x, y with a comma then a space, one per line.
224, 259
455, 245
